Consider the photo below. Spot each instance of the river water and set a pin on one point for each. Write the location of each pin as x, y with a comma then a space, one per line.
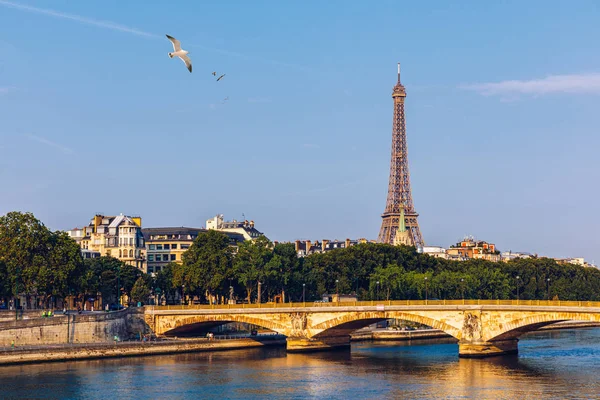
551, 365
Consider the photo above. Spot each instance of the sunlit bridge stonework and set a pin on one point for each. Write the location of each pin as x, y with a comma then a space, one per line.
482, 328
399, 199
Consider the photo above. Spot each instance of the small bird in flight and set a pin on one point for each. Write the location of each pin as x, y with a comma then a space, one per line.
225, 99
214, 73
221, 77
180, 53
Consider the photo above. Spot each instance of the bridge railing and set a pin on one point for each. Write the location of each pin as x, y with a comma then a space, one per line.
373, 303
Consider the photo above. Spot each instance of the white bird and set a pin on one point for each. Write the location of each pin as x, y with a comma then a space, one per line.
180, 53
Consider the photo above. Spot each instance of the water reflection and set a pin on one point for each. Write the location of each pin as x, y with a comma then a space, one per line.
558, 364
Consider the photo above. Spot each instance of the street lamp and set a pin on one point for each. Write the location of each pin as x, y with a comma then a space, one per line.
303, 292
548, 288
17, 293
258, 297
518, 277
337, 290
462, 287
426, 294
377, 291
230, 294
182, 293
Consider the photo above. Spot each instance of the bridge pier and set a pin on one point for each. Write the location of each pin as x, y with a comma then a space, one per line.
482, 349
304, 345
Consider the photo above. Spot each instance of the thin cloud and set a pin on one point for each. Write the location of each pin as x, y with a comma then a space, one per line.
122, 28
73, 17
572, 84
50, 143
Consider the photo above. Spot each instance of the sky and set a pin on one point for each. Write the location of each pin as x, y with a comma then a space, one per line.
501, 109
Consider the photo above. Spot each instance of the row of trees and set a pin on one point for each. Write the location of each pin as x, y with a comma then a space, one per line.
48, 265
45, 266
372, 271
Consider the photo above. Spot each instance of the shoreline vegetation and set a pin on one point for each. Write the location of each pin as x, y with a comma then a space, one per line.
89, 351
41, 269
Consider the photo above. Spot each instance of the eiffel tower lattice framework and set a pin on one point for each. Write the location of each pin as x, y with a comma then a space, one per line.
399, 199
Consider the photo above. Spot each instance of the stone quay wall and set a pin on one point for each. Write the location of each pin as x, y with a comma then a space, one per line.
71, 328
130, 349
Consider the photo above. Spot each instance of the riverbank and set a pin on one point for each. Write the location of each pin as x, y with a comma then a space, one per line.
53, 353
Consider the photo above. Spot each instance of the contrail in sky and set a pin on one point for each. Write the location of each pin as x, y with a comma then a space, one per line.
50, 143
122, 28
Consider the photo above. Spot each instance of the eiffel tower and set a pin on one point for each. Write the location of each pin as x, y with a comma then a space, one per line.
399, 199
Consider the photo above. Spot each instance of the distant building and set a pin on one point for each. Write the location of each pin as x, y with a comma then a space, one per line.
403, 236
307, 247
435, 251
577, 261
115, 236
507, 256
166, 245
245, 228
469, 248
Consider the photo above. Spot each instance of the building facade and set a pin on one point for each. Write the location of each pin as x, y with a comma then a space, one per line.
115, 236
245, 228
469, 248
167, 245
307, 247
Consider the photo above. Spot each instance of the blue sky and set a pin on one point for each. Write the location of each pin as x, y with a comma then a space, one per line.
502, 116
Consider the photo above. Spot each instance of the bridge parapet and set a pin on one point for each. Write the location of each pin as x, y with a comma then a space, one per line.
482, 327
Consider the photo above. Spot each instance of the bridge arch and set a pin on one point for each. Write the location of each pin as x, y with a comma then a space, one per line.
530, 323
348, 322
184, 323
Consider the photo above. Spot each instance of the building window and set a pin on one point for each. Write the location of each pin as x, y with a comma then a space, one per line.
120, 254
159, 247
185, 246
150, 269
166, 246
172, 257
174, 246
150, 257
152, 247
131, 253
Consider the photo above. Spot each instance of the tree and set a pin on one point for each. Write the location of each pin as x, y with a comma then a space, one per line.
251, 264
140, 291
163, 282
206, 264
24, 243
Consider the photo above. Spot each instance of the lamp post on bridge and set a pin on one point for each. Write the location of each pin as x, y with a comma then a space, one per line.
377, 291
258, 296
462, 288
517, 279
426, 294
303, 293
337, 290
548, 288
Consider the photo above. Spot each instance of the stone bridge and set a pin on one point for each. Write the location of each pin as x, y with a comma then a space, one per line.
482, 327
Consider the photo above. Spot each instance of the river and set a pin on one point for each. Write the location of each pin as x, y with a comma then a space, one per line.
551, 365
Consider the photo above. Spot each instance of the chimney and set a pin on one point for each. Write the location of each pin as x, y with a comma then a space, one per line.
297, 246
308, 246
324, 244
347, 243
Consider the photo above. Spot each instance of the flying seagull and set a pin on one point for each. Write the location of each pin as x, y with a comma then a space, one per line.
180, 53
214, 73
221, 77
